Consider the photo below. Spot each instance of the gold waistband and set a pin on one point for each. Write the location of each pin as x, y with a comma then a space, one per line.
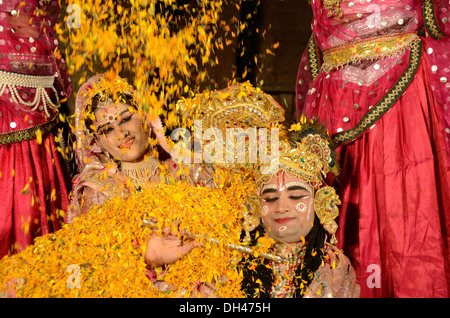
367, 49
26, 134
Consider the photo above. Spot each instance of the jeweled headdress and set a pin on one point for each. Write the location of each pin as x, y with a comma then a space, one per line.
240, 105
307, 151
234, 109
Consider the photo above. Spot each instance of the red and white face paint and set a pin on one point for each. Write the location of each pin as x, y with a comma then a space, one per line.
287, 207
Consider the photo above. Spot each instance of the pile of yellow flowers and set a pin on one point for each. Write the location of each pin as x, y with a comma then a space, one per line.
101, 254
207, 213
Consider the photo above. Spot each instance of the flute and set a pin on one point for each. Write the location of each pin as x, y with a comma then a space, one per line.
237, 247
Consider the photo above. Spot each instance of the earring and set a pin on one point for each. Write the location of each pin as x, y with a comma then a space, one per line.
325, 205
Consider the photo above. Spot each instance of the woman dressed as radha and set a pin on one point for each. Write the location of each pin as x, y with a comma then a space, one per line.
376, 73
115, 152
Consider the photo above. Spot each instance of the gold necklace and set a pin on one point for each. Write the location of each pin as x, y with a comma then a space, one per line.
141, 172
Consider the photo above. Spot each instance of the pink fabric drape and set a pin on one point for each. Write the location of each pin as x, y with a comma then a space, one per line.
34, 196
394, 218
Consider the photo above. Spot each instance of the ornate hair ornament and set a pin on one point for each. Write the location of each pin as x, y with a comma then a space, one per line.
237, 106
105, 90
306, 150
231, 112
317, 140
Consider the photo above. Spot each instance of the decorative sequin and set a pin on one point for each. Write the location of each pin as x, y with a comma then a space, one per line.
367, 49
264, 210
13, 125
301, 207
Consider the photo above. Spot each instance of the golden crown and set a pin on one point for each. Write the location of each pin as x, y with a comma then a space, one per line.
240, 105
234, 109
306, 151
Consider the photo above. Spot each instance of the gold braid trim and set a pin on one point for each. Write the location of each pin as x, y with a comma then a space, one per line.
367, 49
26, 134
386, 102
430, 20
313, 58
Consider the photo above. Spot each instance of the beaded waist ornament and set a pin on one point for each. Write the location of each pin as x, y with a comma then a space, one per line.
367, 49
39, 83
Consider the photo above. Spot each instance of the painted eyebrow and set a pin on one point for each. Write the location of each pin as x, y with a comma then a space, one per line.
291, 188
269, 190
101, 126
297, 187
